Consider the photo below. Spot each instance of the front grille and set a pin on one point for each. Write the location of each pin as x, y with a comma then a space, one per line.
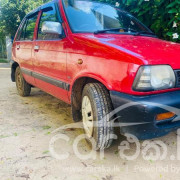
177, 73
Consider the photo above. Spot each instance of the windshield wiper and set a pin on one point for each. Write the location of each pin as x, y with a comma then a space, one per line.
129, 30
145, 32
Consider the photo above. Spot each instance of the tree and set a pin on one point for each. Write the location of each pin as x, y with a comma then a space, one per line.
13, 11
161, 16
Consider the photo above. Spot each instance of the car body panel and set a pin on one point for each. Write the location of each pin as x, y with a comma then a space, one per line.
24, 57
112, 59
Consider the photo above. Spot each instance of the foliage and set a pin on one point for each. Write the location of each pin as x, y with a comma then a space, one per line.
161, 16
3, 61
13, 11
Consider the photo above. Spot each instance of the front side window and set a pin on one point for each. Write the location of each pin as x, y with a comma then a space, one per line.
48, 14
88, 16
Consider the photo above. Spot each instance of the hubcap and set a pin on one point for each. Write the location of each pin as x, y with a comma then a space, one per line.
87, 116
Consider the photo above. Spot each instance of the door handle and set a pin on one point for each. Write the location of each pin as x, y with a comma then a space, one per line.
36, 48
18, 46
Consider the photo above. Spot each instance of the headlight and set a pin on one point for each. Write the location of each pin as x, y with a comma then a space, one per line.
151, 78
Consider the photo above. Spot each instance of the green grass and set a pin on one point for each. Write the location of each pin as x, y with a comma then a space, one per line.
46, 127
3, 61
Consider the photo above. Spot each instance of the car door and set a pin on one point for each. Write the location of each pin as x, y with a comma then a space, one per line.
24, 46
50, 57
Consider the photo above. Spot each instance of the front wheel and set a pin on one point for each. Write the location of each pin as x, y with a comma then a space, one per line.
23, 88
96, 105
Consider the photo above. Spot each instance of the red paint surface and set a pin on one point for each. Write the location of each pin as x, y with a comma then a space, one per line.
111, 59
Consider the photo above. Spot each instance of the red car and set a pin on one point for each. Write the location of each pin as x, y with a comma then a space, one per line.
97, 58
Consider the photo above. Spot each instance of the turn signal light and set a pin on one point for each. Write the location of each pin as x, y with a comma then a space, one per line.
164, 116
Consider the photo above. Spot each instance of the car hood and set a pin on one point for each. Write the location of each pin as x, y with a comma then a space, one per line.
149, 49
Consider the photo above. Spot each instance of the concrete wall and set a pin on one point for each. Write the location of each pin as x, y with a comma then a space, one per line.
8, 47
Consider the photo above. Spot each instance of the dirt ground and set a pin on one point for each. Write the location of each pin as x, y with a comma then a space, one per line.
26, 126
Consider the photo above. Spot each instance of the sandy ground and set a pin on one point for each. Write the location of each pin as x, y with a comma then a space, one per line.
26, 126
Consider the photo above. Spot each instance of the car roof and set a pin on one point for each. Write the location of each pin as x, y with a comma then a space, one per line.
40, 7
53, 1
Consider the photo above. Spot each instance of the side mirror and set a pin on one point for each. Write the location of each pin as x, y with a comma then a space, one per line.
50, 27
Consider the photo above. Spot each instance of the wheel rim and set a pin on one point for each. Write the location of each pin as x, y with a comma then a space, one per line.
87, 114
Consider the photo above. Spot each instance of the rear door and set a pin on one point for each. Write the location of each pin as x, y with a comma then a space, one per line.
24, 46
50, 57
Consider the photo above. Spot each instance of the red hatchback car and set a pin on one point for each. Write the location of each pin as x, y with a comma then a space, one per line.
98, 58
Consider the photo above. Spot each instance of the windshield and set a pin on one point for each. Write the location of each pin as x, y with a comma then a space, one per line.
88, 16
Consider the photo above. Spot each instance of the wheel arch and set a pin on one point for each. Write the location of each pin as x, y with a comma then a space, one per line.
14, 65
76, 94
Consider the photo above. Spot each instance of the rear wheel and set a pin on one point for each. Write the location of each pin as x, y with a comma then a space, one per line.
23, 88
96, 105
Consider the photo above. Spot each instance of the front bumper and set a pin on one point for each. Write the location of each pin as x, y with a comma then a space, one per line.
137, 114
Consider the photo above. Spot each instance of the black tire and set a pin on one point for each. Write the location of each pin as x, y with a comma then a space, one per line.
101, 106
23, 88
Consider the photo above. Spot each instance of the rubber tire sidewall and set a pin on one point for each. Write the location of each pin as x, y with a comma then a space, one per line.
25, 87
100, 133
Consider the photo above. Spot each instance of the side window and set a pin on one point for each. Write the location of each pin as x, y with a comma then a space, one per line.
27, 31
48, 14
20, 31
23, 31
30, 26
